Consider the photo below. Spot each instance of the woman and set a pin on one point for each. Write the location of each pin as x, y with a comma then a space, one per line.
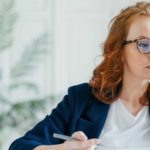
113, 108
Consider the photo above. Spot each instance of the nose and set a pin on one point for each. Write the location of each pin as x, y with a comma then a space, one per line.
148, 54
147, 57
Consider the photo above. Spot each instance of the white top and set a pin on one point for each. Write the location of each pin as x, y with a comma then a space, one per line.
124, 130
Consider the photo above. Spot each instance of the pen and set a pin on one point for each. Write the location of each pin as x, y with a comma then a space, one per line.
63, 137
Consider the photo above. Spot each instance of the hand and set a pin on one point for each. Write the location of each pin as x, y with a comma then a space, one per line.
82, 143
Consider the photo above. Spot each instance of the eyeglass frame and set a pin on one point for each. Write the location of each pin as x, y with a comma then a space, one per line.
135, 41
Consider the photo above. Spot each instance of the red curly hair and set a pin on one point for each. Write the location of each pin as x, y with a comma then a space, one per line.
108, 76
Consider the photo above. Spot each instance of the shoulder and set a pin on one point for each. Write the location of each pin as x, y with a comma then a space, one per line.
81, 93
81, 96
77, 96
83, 88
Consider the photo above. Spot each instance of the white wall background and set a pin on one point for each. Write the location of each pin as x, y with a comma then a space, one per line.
80, 27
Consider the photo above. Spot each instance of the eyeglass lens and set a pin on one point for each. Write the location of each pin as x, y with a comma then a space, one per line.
144, 45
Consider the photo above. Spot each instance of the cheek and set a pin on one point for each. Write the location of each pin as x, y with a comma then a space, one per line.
132, 58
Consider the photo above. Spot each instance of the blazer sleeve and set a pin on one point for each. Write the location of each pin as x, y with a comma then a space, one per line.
56, 122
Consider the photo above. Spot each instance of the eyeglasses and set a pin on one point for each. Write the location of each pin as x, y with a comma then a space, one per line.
143, 45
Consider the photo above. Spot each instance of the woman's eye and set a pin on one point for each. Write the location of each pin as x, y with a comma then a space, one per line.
144, 44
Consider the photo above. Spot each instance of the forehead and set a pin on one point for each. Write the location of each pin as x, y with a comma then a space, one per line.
140, 27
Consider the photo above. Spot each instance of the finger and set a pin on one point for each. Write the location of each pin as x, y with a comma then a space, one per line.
81, 144
88, 143
88, 148
79, 135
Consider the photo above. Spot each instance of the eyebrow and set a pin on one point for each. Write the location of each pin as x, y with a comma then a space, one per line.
143, 37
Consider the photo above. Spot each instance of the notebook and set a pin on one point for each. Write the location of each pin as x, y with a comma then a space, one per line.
104, 148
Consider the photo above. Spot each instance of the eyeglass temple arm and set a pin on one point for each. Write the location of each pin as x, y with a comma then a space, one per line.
131, 41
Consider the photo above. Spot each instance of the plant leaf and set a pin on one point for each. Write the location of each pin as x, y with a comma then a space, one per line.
26, 85
7, 20
31, 56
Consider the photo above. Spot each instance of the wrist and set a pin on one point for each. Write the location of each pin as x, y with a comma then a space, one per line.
57, 147
50, 147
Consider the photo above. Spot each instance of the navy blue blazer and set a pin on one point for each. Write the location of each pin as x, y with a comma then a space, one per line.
78, 111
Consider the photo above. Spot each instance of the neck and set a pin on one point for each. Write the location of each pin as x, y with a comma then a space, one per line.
131, 92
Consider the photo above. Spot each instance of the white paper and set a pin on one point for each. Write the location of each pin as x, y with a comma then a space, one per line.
105, 148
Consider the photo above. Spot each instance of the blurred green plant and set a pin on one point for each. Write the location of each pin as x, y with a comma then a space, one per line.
28, 63
21, 115
8, 18
24, 67
32, 54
